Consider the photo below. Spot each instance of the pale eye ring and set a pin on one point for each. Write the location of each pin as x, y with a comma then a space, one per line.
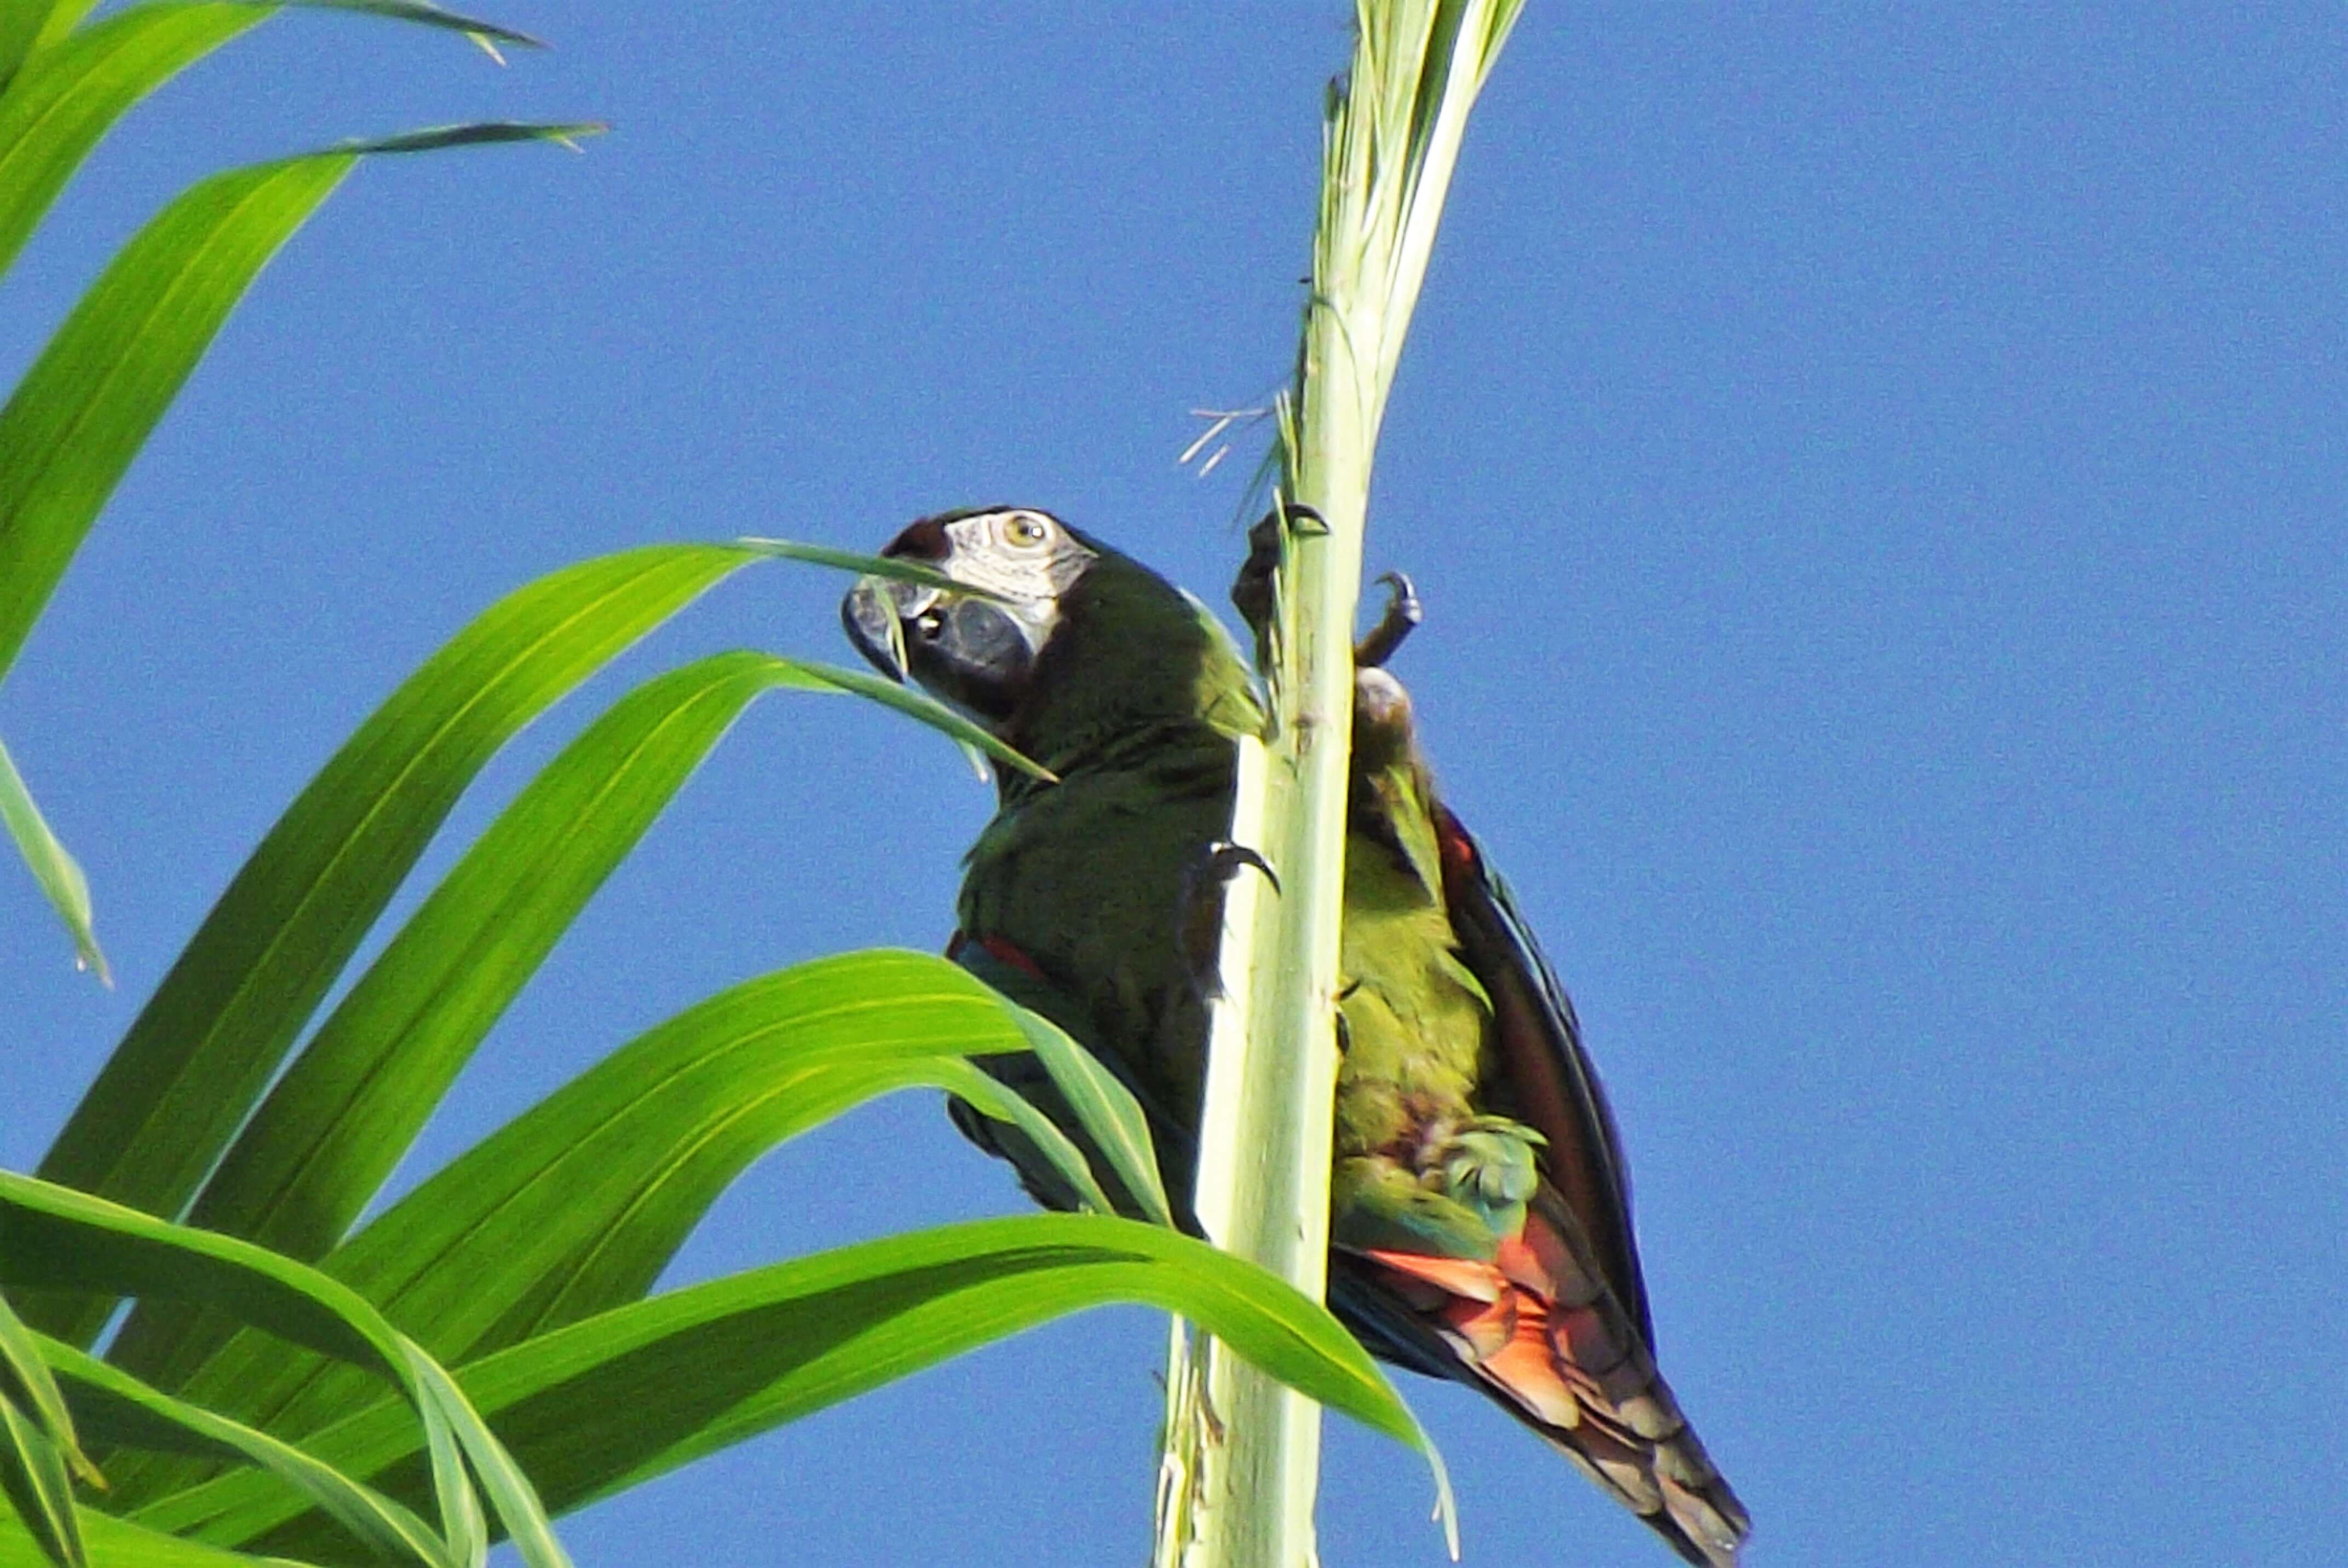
1026, 528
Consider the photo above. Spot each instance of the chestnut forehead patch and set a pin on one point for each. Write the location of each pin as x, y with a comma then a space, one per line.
922, 540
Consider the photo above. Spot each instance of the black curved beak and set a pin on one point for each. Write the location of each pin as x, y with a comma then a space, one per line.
871, 613
970, 651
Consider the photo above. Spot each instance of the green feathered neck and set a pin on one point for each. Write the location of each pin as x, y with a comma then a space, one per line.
1135, 665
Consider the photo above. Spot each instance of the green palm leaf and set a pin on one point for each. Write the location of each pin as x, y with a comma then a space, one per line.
59, 104
71, 428
59, 107
53, 1237
335, 1125
576, 1205
80, 415
42, 1451
633, 1392
119, 1409
192, 1064
32, 1474
57, 872
115, 1543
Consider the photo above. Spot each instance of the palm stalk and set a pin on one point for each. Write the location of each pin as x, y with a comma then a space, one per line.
1241, 1466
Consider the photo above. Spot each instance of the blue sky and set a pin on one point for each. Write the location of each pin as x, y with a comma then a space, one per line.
1876, 477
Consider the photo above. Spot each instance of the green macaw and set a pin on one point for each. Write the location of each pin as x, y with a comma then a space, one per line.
1481, 1223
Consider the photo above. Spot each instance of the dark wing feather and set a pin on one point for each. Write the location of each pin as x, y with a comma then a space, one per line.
1549, 1076
1557, 1328
1016, 977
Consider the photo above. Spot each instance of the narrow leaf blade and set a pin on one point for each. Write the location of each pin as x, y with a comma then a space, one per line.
123, 1411
32, 1474
921, 706
35, 33
425, 13
334, 1126
57, 873
117, 1543
639, 1390
577, 1204
967, 1083
1111, 1117
61, 103
519, 1511
54, 1237
25, 1378
82, 412
72, 424
188, 1070
476, 133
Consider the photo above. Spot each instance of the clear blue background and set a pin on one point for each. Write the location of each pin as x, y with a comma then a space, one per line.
1876, 475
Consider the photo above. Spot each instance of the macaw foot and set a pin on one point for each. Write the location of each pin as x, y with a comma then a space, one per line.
1488, 1164
1403, 612
1200, 919
1453, 1188
1376, 1203
1252, 591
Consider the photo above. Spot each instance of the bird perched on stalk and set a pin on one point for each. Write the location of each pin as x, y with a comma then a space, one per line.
1480, 1226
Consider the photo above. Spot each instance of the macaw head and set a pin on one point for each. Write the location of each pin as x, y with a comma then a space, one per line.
981, 649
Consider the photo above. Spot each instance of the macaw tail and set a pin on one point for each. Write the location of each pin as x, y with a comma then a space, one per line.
1537, 1331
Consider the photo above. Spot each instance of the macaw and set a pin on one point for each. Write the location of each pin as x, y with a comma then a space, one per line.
1480, 1224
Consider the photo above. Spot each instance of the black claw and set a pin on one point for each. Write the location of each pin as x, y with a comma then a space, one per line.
1297, 514
1223, 862
1252, 592
1200, 920
1403, 614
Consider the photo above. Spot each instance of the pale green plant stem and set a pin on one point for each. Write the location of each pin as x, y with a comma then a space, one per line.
1237, 1487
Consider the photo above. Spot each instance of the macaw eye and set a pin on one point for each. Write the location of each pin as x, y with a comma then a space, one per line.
1025, 529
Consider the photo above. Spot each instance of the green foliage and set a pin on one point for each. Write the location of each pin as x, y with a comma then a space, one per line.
283, 1384
53, 1237
71, 429
57, 872
42, 1443
525, 1264
193, 1064
700, 1367
33, 1472
125, 1411
576, 1205
115, 1542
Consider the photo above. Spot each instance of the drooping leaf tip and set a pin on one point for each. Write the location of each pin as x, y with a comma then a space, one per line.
476, 133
